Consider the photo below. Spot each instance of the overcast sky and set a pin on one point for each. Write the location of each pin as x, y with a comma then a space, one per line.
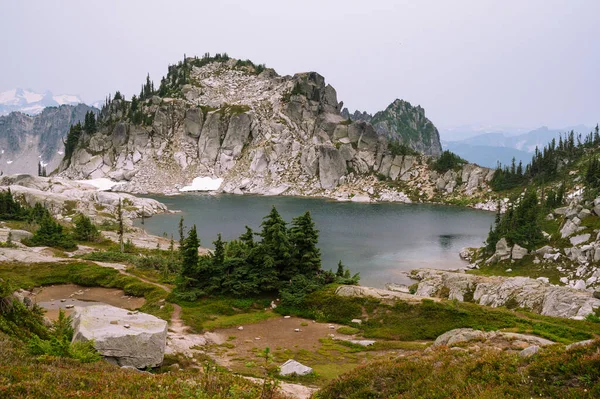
522, 63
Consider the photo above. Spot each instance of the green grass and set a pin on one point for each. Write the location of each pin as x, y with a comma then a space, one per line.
86, 274
348, 330
553, 373
238, 320
222, 312
522, 267
26, 376
428, 320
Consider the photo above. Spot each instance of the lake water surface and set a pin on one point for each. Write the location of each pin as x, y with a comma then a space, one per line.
381, 241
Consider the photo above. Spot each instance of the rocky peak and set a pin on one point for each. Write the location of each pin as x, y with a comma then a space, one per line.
357, 115
402, 122
259, 132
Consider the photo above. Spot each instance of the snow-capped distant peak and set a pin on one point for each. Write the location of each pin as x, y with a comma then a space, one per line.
67, 99
31, 102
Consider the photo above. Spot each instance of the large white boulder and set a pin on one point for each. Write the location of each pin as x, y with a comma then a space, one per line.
293, 367
123, 337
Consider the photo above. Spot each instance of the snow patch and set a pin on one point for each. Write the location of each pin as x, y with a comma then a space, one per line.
67, 99
32, 97
102, 183
203, 184
8, 96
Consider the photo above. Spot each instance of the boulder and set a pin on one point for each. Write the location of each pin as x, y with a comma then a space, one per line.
529, 351
463, 335
584, 213
292, 367
580, 239
580, 344
459, 335
140, 345
519, 252
17, 235
502, 249
570, 227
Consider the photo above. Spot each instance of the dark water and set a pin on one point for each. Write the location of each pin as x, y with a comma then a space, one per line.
381, 241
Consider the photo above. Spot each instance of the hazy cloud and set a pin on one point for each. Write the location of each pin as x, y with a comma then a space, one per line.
520, 63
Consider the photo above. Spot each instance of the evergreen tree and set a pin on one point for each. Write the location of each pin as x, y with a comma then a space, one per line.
89, 124
120, 230
275, 241
189, 258
72, 140
51, 234
304, 238
218, 256
9, 208
84, 229
340, 269
248, 237
181, 228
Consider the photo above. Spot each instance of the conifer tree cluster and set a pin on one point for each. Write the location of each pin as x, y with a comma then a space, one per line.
285, 260
592, 174
545, 165
50, 232
147, 89
520, 224
447, 161
89, 124
555, 199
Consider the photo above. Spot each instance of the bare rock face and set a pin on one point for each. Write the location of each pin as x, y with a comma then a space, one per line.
331, 166
535, 295
65, 198
126, 338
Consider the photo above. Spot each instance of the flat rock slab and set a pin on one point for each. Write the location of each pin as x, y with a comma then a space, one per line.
362, 342
356, 291
121, 336
494, 338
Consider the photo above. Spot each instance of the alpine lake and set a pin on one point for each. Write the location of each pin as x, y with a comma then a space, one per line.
381, 241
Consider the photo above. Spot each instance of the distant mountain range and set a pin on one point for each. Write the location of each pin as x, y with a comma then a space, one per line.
487, 149
26, 140
32, 103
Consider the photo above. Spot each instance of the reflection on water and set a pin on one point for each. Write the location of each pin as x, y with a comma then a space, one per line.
447, 239
381, 241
